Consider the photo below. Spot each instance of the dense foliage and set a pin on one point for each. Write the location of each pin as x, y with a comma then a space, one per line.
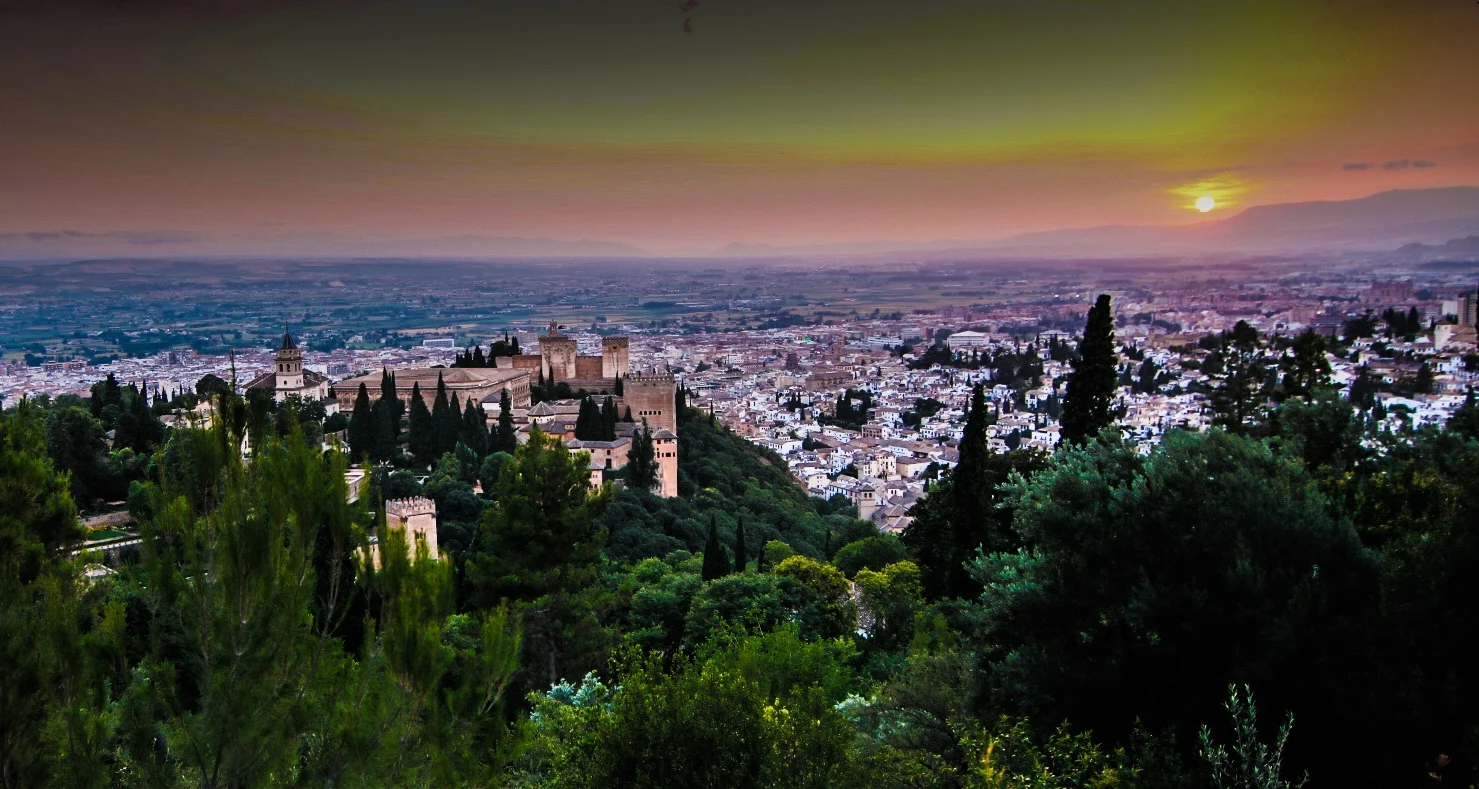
1100, 617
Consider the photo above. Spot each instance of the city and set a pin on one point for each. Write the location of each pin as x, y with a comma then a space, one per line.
721, 394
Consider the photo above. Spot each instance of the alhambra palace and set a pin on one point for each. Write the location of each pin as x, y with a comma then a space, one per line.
638, 397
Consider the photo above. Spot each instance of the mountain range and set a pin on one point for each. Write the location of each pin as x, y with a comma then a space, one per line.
1412, 219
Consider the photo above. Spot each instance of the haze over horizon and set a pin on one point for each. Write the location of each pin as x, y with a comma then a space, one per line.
279, 127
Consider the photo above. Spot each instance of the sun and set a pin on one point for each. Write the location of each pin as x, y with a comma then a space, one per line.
1205, 204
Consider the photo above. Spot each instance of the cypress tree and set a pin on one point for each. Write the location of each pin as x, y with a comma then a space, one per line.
439, 408
641, 460
716, 562
1086, 406
617, 387
383, 430
423, 432
361, 432
450, 428
608, 420
587, 422
504, 440
741, 557
761, 563
628, 416
474, 429
478, 360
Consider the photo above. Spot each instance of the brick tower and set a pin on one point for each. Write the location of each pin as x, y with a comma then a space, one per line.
652, 396
557, 354
614, 357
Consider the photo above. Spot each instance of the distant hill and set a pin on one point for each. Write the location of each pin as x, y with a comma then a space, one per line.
1377, 222
1466, 248
71, 244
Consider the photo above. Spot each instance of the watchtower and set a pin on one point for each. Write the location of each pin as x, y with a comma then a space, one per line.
652, 396
418, 516
615, 358
557, 354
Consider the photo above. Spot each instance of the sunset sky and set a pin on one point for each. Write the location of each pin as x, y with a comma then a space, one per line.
773, 121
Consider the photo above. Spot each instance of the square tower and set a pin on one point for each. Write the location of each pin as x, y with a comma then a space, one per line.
652, 396
615, 359
418, 516
288, 378
557, 354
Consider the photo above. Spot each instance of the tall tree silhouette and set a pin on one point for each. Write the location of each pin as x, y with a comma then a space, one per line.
1086, 407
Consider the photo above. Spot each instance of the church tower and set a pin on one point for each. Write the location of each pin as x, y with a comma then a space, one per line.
289, 367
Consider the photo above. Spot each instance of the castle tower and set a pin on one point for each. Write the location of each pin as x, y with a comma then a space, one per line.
418, 516
289, 376
614, 357
652, 396
557, 354
665, 452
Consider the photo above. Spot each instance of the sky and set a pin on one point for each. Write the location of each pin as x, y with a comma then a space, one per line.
684, 129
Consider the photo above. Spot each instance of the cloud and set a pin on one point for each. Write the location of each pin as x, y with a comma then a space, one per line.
1395, 164
1402, 164
145, 238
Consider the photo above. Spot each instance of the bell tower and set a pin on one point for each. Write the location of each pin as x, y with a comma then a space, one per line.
289, 367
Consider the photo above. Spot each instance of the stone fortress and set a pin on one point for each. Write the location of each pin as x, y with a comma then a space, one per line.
649, 397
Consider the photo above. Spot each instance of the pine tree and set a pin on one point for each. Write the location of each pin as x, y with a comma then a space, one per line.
741, 556
361, 428
716, 562
1235, 403
641, 460
1086, 407
474, 433
1306, 369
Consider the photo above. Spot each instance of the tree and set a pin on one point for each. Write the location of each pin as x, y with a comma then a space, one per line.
758, 712
386, 429
824, 607
1422, 382
1149, 583
1235, 402
1306, 368
588, 423
422, 435
1252, 764
361, 426
474, 434
642, 460
872, 553
37, 519
889, 599
716, 561
504, 438
77, 446
608, 420
210, 387
741, 554
1090, 393
538, 548
961, 514
448, 418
